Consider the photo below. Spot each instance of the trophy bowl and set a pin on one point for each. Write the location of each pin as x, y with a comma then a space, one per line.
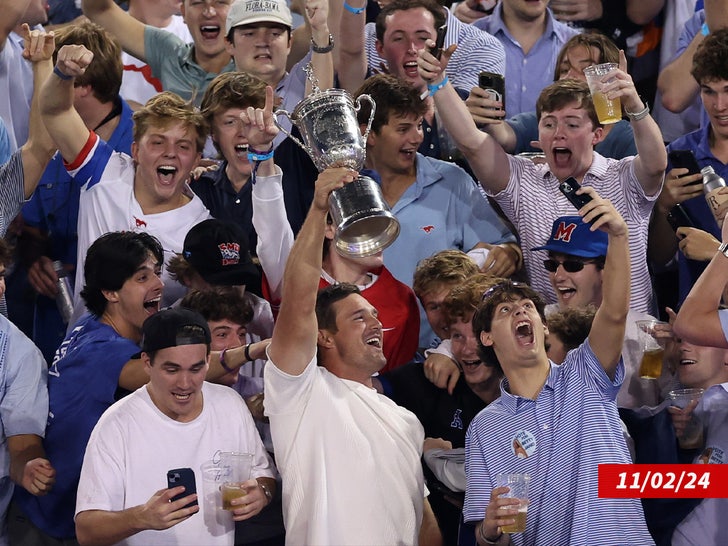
364, 223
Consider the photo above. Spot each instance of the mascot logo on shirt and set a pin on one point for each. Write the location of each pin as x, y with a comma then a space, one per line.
229, 253
563, 232
428, 229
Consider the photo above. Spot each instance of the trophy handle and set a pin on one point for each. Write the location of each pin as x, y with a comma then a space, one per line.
285, 132
371, 115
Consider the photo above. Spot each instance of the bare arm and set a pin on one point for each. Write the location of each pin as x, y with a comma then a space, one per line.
430, 534
675, 83
38, 150
125, 28
486, 157
29, 467
488, 114
350, 58
63, 122
296, 331
606, 336
101, 527
698, 321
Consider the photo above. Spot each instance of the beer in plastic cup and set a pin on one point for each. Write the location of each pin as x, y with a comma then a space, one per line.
236, 471
518, 484
692, 436
653, 351
608, 110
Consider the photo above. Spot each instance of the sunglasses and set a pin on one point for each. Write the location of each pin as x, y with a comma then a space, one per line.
502, 286
570, 266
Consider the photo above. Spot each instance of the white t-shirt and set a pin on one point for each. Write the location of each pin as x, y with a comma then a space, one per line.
349, 459
108, 204
137, 83
134, 445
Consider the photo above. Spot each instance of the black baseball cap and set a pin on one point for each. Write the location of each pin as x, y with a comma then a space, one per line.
174, 327
219, 253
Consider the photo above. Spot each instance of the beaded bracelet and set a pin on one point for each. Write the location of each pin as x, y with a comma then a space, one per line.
351, 9
434, 88
61, 74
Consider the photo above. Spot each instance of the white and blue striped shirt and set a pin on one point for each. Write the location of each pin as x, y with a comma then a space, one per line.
571, 428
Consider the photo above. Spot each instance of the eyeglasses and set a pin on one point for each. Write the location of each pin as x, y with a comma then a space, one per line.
502, 286
570, 266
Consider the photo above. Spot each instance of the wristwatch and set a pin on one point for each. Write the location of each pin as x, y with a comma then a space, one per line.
723, 249
267, 491
323, 49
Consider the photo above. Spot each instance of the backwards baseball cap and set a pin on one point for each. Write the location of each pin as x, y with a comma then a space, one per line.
219, 253
174, 327
570, 235
247, 12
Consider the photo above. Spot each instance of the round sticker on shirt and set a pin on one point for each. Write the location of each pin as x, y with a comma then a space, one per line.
712, 455
523, 444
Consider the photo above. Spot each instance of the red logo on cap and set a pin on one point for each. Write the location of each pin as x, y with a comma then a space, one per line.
230, 253
563, 232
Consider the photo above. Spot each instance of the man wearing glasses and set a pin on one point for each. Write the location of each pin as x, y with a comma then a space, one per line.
564, 417
575, 267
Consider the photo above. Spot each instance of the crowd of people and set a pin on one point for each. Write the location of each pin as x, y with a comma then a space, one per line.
154, 200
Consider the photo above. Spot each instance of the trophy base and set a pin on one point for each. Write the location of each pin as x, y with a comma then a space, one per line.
364, 223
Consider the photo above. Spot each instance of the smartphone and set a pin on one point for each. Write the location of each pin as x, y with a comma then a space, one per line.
495, 84
568, 187
685, 159
678, 217
439, 41
186, 477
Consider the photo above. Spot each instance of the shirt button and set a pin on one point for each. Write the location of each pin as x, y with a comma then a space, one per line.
523, 88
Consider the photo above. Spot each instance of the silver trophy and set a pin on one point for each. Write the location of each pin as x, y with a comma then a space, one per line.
329, 127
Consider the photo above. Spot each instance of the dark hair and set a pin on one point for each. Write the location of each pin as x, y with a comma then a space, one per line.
111, 260
325, 301
105, 72
437, 11
188, 332
572, 325
6, 252
220, 303
564, 92
483, 318
709, 60
608, 50
392, 97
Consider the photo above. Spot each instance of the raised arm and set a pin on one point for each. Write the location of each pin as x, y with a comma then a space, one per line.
651, 161
63, 122
606, 336
350, 58
317, 12
296, 331
486, 157
125, 28
698, 321
38, 150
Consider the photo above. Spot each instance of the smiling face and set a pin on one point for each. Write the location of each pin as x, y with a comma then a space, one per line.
358, 340
261, 49
137, 299
206, 22
175, 380
164, 156
517, 335
702, 367
577, 289
714, 95
465, 351
432, 304
568, 137
393, 148
405, 34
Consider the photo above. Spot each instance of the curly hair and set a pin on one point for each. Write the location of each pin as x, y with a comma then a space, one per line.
709, 60
447, 267
220, 303
463, 300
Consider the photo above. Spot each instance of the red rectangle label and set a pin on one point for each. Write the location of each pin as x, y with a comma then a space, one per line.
659, 481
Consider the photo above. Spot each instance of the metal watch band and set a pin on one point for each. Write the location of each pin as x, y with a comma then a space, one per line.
636, 116
723, 249
323, 49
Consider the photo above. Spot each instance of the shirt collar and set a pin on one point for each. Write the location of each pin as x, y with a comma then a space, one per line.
513, 403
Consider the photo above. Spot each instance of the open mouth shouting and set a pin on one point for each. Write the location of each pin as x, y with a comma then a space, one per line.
562, 156
151, 305
470, 366
374, 341
241, 150
210, 32
410, 69
166, 173
524, 332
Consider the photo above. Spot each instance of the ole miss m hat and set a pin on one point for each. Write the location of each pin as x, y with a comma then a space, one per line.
570, 235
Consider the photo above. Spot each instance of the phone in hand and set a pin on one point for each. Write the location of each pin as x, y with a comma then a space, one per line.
182, 476
569, 187
678, 217
495, 84
439, 41
685, 159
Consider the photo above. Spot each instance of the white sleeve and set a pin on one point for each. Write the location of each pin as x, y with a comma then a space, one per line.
448, 465
275, 237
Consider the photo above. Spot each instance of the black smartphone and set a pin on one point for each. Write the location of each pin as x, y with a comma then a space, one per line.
685, 159
182, 476
494, 83
678, 217
439, 41
568, 187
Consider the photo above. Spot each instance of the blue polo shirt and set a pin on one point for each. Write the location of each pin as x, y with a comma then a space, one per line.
697, 207
566, 432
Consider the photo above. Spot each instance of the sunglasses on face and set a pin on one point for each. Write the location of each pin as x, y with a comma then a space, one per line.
570, 266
